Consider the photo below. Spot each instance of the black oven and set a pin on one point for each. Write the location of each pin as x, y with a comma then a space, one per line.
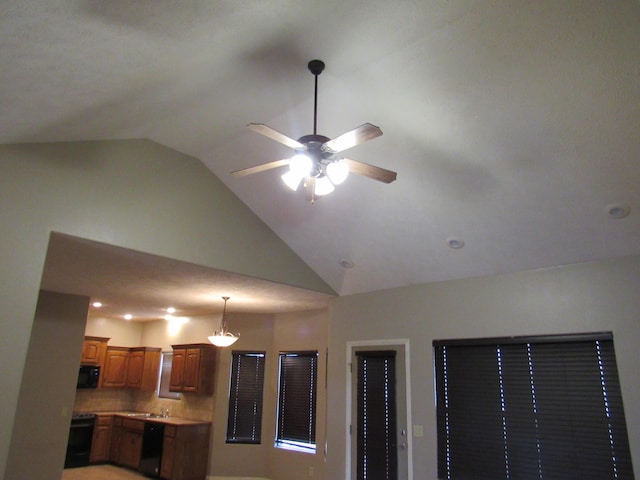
79, 442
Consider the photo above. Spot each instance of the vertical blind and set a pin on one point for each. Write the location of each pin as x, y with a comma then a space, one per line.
244, 423
377, 455
530, 408
297, 399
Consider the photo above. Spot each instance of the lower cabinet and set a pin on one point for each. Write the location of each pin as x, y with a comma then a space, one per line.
101, 442
168, 452
116, 433
129, 443
185, 446
185, 452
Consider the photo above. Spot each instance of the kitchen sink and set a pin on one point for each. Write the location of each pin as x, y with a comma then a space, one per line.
144, 415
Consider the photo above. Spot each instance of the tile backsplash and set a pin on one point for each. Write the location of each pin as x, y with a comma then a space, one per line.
195, 407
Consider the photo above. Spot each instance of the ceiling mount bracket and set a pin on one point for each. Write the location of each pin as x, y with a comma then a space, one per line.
316, 67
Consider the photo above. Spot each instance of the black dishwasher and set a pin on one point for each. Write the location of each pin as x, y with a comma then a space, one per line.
151, 448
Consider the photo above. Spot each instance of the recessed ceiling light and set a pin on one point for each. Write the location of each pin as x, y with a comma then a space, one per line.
128, 316
96, 304
346, 263
455, 243
171, 310
618, 210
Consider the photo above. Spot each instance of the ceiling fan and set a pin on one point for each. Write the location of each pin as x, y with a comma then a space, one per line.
316, 159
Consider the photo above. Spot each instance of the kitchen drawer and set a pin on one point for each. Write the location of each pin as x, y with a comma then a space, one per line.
130, 424
104, 420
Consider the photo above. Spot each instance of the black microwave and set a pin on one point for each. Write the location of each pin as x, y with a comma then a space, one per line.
88, 376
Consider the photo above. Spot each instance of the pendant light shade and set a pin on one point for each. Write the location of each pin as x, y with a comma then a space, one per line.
222, 337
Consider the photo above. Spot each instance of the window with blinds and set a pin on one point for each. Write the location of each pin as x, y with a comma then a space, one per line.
244, 422
166, 360
297, 392
377, 454
532, 407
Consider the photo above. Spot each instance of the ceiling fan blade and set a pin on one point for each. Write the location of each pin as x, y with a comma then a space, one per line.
260, 168
354, 137
269, 132
375, 173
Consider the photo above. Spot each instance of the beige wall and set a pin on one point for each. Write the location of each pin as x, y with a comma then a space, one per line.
599, 296
233, 460
133, 194
282, 332
119, 333
47, 392
306, 331
163, 333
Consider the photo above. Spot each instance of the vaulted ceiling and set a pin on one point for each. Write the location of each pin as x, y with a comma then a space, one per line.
513, 124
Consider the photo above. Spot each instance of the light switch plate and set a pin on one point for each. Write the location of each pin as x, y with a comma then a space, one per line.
418, 431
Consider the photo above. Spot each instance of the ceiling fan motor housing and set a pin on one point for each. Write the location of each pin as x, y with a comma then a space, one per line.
314, 149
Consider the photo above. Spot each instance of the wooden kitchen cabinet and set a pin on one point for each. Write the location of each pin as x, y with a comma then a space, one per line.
129, 448
136, 368
143, 368
193, 368
185, 452
176, 378
116, 433
168, 453
101, 441
114, 374
94, 350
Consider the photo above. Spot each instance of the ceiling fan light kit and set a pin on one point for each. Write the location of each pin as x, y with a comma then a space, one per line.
337, 172
315, 160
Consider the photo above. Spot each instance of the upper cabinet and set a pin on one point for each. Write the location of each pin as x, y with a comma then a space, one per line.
94, 350
143, 368
136, 368
193, 368
114, 374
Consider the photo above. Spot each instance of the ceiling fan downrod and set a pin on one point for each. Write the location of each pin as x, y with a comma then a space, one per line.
315, 67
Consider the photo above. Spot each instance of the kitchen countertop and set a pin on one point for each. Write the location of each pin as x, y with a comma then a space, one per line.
167, 420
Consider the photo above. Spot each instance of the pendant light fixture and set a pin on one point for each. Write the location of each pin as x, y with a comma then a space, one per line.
222, 337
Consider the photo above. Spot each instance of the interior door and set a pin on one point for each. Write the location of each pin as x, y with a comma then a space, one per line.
379, 441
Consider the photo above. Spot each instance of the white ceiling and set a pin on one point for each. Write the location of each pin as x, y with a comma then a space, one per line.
512, 124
